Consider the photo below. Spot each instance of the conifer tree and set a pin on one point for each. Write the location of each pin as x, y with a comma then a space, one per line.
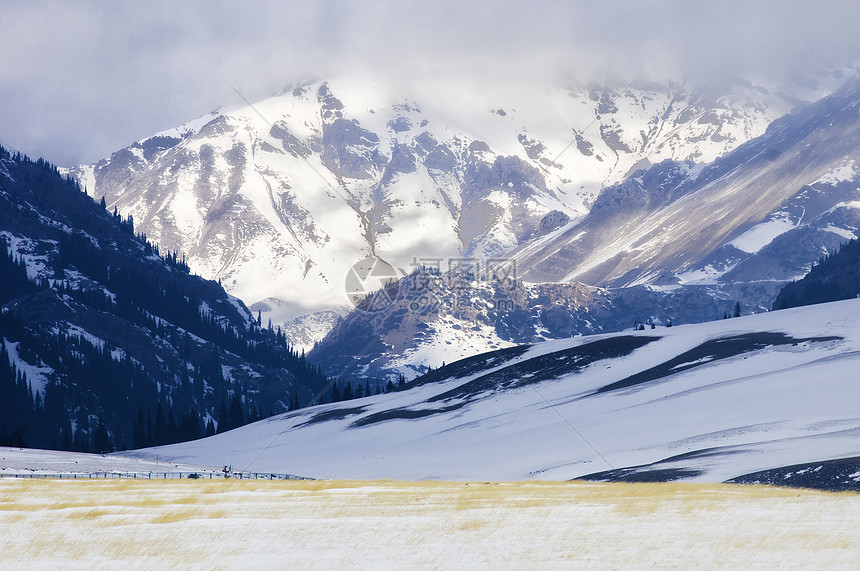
223, 417
237, 415
101, 439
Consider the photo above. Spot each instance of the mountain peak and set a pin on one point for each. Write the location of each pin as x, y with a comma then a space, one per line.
280, 198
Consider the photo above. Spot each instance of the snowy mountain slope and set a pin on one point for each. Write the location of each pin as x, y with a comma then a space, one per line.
428, 319
705, 402
278, 200
765, 211
99, 333
835, 277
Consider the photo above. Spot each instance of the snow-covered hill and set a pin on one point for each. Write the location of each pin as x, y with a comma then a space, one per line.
705, 402
278, 199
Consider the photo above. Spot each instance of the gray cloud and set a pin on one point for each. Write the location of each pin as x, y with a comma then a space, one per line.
79, 80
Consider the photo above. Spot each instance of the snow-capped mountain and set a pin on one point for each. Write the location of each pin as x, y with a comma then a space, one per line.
706, 402
690, 240
278, 199
763, 212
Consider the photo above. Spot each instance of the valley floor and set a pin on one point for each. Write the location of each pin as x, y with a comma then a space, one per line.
386, 524
51, 463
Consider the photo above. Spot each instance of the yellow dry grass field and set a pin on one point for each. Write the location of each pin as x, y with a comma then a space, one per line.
440, 525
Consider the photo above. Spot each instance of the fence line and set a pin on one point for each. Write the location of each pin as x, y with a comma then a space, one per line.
156, 476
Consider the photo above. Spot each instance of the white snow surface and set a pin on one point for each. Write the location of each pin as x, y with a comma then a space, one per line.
31, 462
763, 234
448, 341
846, 171
37, 376
773, 406
844, 232
37, 265
704, 276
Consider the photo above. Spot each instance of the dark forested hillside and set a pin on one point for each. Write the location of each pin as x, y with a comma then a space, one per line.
106, 344
835, 277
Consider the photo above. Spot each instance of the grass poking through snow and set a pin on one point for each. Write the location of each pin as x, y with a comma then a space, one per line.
336, 524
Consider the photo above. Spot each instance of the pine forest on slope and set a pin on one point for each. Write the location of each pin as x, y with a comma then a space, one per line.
105, 344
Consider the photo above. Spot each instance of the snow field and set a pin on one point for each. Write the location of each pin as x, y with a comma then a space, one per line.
761, 409
39, 463
387, 524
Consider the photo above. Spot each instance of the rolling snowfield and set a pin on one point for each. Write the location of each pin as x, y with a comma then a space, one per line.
702, 403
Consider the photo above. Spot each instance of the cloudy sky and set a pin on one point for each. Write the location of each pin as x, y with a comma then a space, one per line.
81, 79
